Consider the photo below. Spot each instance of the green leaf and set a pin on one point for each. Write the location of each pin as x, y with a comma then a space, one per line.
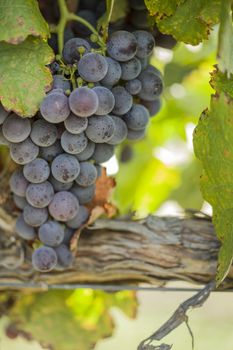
225, 43
213, 145
220, 83
23, 75
188, 21
70, 320
19, 19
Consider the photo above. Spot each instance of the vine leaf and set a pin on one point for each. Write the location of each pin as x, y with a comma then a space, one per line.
213, 145
225, 43
82, 316
23, 75
220, 83
173, 17
19, 19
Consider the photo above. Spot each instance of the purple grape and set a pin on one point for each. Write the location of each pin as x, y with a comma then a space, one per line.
113, 73
73, 144
146, 43
64, 206
106, 100
92, 67
65, 168
51, 233
135, 135
43, 134
87, 152
76, 125
24, 152
35, 216
16, 129
87, 175
122, 46
100, 129
123, 100
130, 69
137, 118
40, 195
55, 108
24, 230
60, 82
83, 102
133, 86
44, 259
79, 219
120, 131
60, 186
20, 202
84, 194
103, 152
64, 255
71, 49
18, 183
36, 171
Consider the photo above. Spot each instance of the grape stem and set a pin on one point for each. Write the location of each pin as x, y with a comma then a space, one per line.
66, 16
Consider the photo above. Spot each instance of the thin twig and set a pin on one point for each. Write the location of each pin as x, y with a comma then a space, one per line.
178, 317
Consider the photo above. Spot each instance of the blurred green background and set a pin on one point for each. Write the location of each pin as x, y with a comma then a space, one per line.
161, 177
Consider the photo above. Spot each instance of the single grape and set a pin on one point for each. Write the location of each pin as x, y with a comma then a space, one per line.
43, 134
87, 152
3, 114
135, 135
79, 219
137, 118
154, 70
60, 186
36, 171
152, 106
122, 45
87, 175
113, 73
18, 183
123, 100
3, 140
71, 48
73, 144
35, 216
83, 102
130, 69
79, 28
103, 152
120, 132
49, 153
40, 195
92, 67
59, 82
24, 152
100, 129
106, 100
152, 86
55, 108
64, 206
64, 255
20, 202
133, 86
84, 194
51, 233
60, 91
65, 168
44, 259
16, 129
24, 230
75, 125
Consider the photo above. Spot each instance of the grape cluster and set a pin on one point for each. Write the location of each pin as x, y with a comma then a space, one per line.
59, 151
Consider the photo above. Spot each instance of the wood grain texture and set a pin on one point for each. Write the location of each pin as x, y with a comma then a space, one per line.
154, 250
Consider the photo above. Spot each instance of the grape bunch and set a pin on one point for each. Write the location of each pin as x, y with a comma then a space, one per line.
78, 126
